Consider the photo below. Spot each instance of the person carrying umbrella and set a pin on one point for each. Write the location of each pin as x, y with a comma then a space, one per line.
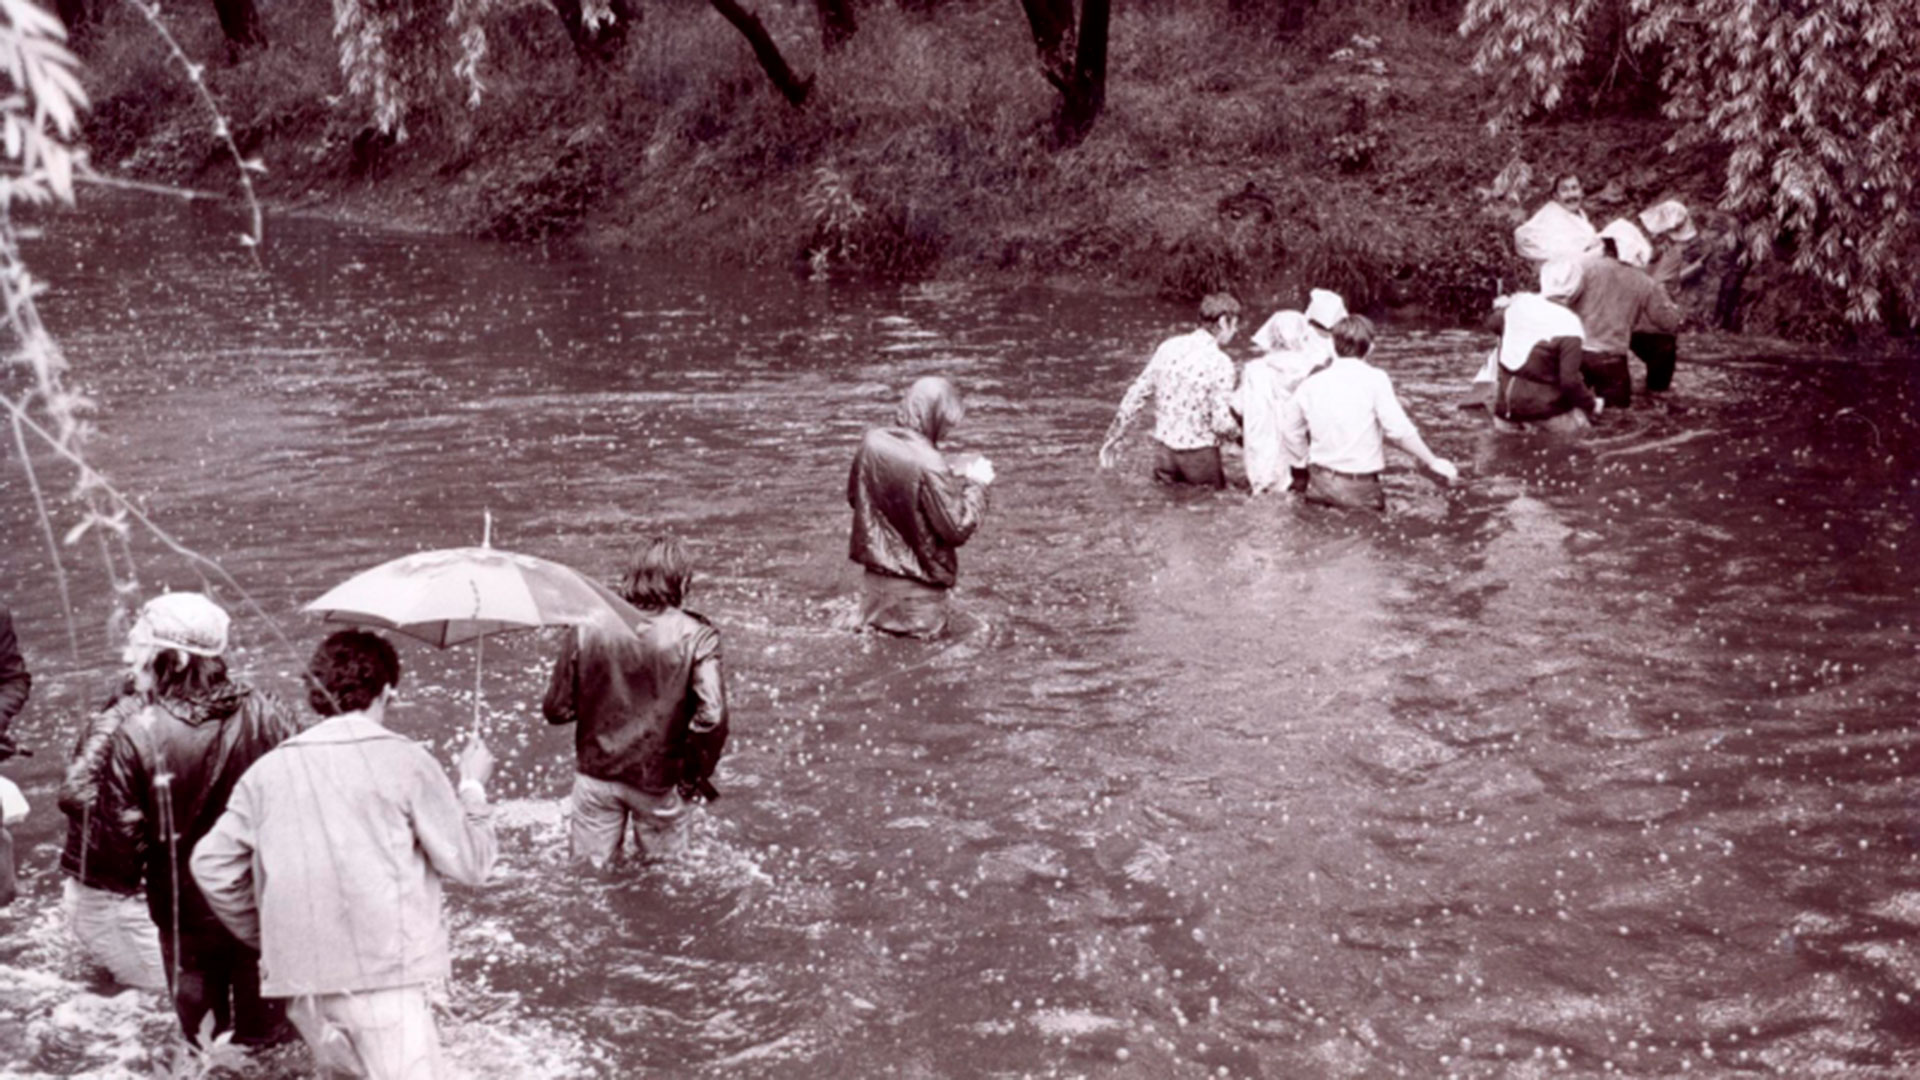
649, 709
330, 858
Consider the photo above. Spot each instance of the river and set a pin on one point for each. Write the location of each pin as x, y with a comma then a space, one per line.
1602, 762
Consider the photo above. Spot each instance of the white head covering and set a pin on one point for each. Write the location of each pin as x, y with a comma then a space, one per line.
1325, 308
1559, 279
1284, 331
186, 621
1530, 320
1633, 246
1669, 217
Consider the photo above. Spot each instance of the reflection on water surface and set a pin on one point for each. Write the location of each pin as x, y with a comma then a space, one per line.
1602, 762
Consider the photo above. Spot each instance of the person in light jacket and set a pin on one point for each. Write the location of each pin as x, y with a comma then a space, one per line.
649, 710
912, 510
1336, 425
330, 859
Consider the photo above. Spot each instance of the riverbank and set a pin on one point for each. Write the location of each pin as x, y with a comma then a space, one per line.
1351, 155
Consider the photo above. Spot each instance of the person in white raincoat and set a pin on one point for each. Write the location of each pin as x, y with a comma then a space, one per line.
1290, 352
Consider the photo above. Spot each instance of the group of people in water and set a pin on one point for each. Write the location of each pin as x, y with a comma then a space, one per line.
1310, 408
280, 876
276, 874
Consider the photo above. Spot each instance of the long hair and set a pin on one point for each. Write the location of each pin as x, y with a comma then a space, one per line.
658, 574
184, 676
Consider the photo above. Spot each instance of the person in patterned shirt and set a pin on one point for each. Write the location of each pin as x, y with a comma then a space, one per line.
1191, 382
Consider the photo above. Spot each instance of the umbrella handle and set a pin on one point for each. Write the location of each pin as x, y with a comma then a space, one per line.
479, 653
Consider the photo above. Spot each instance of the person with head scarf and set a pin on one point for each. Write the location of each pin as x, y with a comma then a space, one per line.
1617, 300
913, 508
1190, 381
1336, 426
1290, 352
1539, 356
170, 766
1325, 310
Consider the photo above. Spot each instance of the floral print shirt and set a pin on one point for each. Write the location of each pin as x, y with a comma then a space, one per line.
1191, 383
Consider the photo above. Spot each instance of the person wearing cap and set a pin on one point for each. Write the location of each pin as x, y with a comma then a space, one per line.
913, 508
331, 856
170, 766
1538, 360
1190, 381
649, 710
1290, 350
1337, 423
1617, 299
15, 684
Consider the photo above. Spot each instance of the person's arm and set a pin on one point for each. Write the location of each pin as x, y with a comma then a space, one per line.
222, 866
1573, 388
1294, 436
1130, 406
80, 787
954, 505
455, 831
1397, 428
15, 681
560, 705
706, 734
123, 797
1226, 419
1660, 312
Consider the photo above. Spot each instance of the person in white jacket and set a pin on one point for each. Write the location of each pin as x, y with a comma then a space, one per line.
329, 858
1292, 351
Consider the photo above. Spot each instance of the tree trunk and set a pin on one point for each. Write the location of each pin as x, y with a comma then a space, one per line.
837, 24
1086, 95
791, 86
601, 43
240, 21
1052, 23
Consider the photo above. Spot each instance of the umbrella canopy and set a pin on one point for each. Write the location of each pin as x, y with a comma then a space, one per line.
453, 595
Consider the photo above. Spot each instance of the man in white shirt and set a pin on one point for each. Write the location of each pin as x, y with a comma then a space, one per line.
1191, 382
1336, 424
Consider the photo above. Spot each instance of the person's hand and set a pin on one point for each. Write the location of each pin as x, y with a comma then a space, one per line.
1500, 302
1445, 470
1599, 406
979, 470
1107, 454
476, 761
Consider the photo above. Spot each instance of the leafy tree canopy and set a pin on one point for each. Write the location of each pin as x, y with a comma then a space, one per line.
1812, 101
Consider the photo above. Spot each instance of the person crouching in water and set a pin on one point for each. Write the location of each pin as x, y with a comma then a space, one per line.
1540, 385
912, 511
650, 713
1191, 382
1335, 424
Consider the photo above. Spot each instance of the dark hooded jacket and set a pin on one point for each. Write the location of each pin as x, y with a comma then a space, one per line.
15, 681
910, 512
170, 767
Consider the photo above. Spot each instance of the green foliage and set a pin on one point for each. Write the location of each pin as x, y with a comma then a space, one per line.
1811, 101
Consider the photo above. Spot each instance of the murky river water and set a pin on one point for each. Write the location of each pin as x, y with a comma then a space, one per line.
1604, 762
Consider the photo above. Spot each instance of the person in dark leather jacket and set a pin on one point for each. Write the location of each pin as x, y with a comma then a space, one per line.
169, 770
912, 510
15, 683
650, 710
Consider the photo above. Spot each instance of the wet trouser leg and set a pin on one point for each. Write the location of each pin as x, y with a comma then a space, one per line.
902, 606
214, 975
1608, 376
1201, 467
1354, 491
1660, 352
9, 887
602, 809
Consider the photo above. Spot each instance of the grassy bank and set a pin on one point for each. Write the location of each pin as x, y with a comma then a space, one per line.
1349, 155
